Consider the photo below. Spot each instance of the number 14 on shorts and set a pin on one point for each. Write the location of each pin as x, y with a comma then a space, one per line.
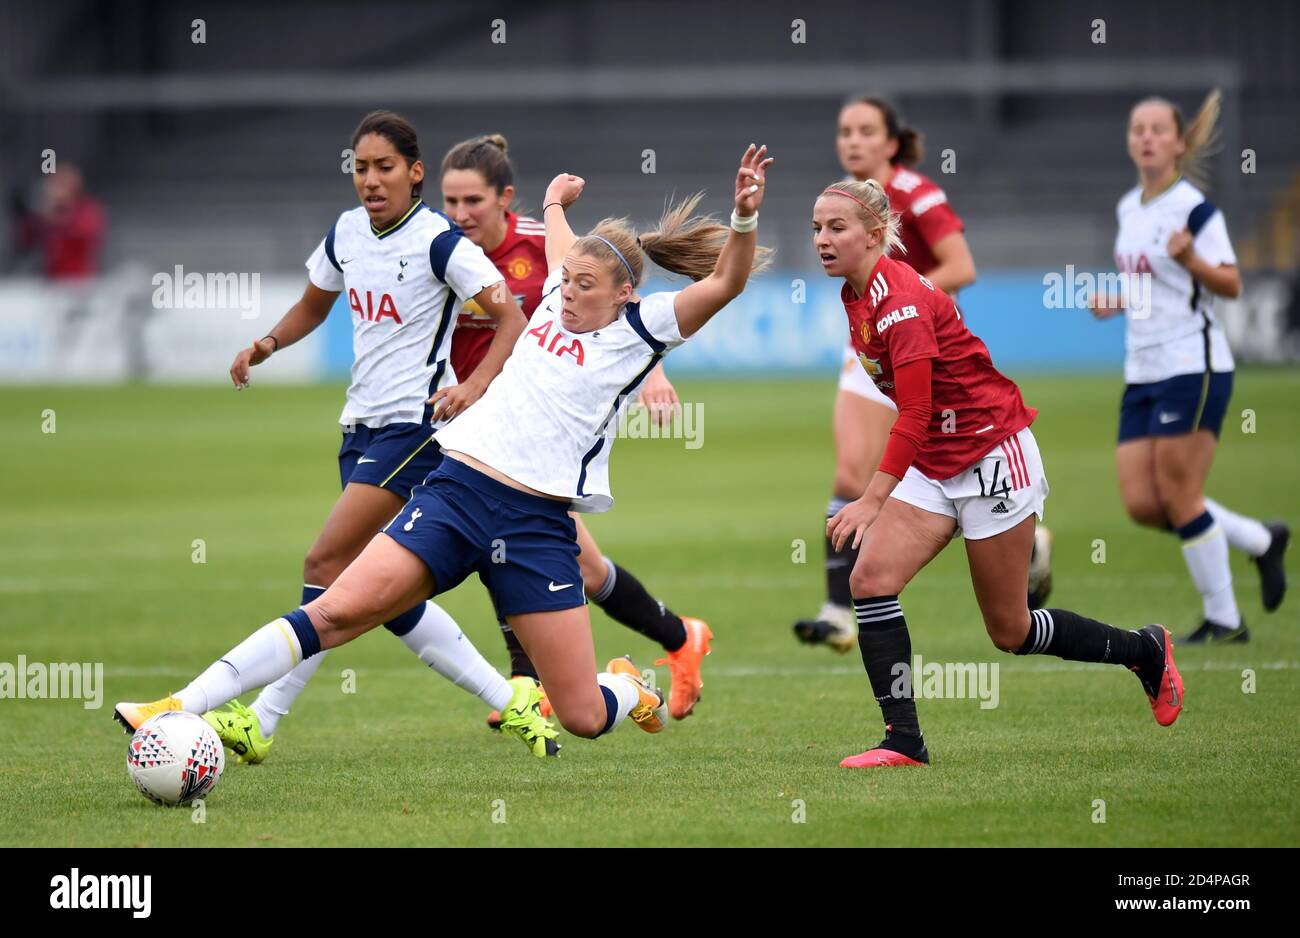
998, 485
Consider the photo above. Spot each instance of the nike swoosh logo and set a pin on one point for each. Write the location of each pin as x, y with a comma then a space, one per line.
555, 589
1169, 418
364, 459
348, 261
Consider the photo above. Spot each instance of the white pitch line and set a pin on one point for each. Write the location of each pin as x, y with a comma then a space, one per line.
741, 671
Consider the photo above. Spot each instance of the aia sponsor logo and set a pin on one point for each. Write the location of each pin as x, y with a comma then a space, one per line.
373, 312
556, 346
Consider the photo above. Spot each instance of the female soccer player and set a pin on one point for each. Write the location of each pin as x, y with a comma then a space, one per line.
477, 191
406, 270
535, 445
478, 188
960, 457
1173, 243
874, 143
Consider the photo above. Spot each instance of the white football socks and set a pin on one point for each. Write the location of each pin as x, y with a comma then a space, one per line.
438, 641
274, 701
1243, 533
1207, 560
266, 655
624, 693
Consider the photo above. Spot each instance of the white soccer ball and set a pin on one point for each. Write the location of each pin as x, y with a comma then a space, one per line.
175, 758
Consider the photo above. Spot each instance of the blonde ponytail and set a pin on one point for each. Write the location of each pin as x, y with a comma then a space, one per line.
1202, 140
681, 243
872, 209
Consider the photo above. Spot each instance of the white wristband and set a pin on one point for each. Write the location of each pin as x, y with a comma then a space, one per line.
743, 224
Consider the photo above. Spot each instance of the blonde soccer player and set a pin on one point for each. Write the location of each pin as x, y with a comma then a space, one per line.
1173, 244
535, 446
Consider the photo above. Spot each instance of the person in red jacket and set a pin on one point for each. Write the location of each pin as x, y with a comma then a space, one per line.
477, 191
69, 229
960, 458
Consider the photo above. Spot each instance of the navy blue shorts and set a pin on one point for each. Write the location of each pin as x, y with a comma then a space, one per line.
396, 457
1175, 406
523, 547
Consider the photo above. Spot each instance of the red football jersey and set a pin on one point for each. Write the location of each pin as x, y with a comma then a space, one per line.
521, 258
925, 216
974, 407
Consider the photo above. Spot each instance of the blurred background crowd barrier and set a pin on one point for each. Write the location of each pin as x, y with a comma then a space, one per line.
146, 144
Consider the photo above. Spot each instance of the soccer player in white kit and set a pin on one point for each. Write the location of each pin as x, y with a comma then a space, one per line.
1173, 245
533, 447
405, 270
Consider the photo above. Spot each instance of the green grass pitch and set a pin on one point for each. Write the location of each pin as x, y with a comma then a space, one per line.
97, 535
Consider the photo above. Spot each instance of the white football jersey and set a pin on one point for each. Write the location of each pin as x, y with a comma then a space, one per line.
1178, 335
549, 419
405, 286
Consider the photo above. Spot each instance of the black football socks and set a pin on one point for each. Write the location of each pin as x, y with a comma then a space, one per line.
626, 601
839, 563
886, 648
1074, 637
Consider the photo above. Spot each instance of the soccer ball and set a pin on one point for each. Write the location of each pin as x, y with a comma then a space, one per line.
1040, 568
175, 758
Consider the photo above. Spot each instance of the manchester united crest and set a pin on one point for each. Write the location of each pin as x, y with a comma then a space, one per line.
519, 268
866, 331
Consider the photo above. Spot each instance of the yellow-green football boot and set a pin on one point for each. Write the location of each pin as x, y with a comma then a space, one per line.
240, 732
522, 718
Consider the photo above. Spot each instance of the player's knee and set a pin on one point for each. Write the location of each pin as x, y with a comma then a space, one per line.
868, 580
1148, 512
587, 722
1008, 630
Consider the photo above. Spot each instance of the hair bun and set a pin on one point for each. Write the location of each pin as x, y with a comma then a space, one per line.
496, 140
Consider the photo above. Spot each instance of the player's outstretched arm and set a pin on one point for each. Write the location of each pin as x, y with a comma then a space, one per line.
699, 302
304, 316
560, 194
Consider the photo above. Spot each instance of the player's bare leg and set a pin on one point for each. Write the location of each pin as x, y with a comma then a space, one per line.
357, 516
999, 567
861, 428
384, 580
894, 549
1135, 469
586, 703
621, 596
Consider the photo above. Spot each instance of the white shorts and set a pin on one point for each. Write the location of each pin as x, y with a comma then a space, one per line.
1004, 488
855, 380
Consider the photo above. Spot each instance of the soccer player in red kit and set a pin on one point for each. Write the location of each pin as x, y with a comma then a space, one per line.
960, 459
477, 190
873, 142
